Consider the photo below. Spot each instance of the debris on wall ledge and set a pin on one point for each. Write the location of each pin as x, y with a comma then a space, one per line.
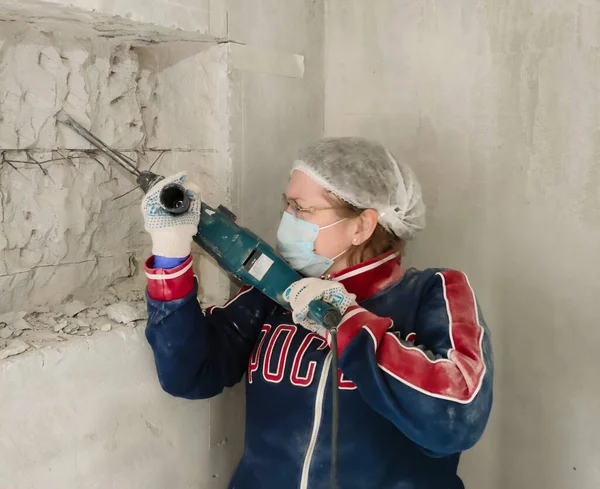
167, 23
45, 327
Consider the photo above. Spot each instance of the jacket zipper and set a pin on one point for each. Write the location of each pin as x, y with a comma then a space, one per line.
317, 421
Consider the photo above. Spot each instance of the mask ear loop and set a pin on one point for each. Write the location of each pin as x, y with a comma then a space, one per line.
347, 249
337, 256
334, 224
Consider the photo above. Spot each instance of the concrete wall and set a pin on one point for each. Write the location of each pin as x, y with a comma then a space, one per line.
276, 109
496, 105
88, 411
91, 414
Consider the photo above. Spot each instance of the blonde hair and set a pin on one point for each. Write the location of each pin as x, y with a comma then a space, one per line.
380, 242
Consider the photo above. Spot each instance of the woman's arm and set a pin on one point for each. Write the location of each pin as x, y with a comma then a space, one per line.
439, 393
199, 353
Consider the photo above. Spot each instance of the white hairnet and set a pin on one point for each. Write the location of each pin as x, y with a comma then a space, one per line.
365, 174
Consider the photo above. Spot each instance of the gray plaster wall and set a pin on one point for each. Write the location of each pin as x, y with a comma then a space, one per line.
91, 414
87, 411
496, 106
274, 112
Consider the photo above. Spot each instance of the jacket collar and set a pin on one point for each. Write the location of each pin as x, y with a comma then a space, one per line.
368, 278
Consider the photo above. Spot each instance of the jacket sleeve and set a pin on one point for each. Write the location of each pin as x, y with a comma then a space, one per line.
198, 353
436, 389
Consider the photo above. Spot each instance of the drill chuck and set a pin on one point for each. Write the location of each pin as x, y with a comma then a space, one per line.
173, 197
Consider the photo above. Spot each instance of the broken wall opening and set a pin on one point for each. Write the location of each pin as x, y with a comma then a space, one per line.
71, 232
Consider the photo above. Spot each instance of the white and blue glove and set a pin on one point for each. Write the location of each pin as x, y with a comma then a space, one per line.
302, 293
171, 235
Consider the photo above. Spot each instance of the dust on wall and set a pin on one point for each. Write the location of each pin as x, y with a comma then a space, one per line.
137, 21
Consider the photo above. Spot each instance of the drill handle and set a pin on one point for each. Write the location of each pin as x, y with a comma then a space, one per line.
325, 314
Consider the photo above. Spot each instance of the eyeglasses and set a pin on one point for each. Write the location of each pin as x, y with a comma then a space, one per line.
296, 209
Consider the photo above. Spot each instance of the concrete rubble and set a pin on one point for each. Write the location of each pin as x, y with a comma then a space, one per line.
45, 327
74, 308
14, 347
124, 313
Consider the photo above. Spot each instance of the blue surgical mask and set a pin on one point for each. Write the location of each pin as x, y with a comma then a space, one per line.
296, 244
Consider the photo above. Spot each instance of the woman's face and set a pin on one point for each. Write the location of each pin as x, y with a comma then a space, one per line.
330, 242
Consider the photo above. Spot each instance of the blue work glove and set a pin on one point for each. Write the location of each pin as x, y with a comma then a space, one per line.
302, 293
171, 235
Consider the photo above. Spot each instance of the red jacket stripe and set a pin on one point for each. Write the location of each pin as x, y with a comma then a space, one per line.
354, 320
457, 378
369, 278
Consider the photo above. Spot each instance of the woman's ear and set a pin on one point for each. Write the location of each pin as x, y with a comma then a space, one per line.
367, 222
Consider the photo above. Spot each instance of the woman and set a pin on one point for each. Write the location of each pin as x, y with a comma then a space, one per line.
414, 353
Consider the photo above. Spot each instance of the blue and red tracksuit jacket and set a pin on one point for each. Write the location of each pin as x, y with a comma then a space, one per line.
415, 376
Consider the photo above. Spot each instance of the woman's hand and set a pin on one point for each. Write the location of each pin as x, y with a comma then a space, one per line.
303, 292
171, 235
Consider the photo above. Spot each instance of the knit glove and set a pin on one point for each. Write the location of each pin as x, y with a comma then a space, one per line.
171, 235
302, 293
